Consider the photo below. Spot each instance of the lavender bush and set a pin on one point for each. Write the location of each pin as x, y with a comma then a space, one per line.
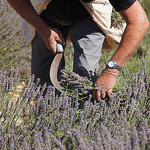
13, 51
41, 119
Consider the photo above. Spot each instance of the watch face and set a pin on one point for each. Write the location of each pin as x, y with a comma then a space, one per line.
111, 64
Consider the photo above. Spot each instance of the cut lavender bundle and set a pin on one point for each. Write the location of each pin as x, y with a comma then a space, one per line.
72, 83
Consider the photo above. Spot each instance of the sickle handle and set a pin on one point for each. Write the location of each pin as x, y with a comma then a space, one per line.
59, 48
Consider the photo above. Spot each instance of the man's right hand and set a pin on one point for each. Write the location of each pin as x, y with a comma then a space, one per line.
51, 37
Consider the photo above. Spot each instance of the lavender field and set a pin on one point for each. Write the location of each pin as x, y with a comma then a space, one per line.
35, 117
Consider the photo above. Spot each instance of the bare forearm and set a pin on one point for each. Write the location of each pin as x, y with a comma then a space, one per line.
25, 9
137, 25
131, 39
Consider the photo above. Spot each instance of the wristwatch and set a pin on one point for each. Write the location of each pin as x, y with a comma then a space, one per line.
113, 65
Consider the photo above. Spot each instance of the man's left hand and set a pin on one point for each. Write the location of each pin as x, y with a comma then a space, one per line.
107, 80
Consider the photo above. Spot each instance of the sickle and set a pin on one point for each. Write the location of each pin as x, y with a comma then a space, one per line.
53, 74
54, 68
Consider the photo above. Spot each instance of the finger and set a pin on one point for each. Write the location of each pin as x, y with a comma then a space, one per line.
53, 47
103, 94
60, 39
50, 41
109, 93
96, 94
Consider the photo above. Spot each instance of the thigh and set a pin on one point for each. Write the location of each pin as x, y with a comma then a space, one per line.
41, 59
87, 39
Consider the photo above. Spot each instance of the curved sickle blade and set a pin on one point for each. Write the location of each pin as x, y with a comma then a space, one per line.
54, 70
